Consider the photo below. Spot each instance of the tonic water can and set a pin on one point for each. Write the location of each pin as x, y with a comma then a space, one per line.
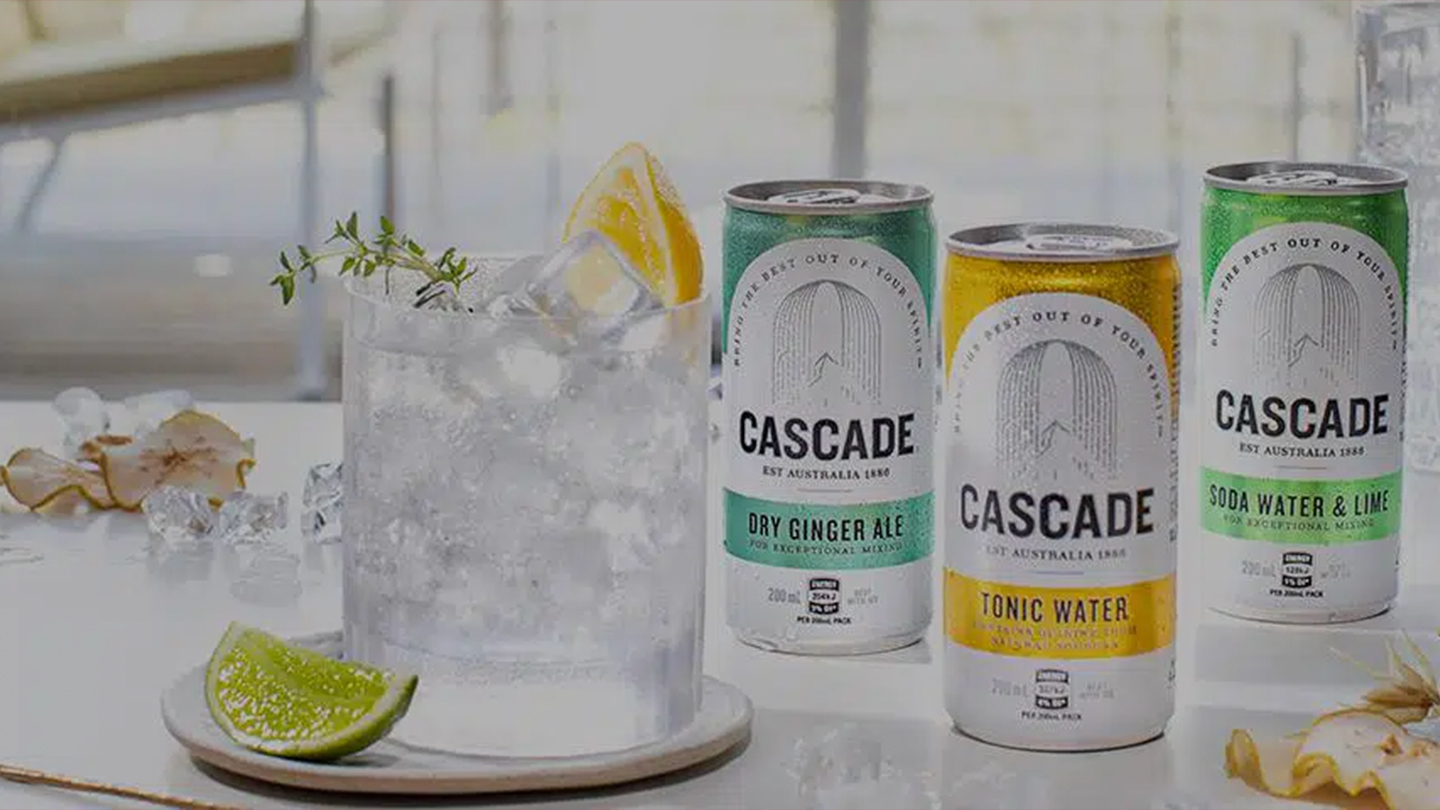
1059, 503
1302, 386
829, 392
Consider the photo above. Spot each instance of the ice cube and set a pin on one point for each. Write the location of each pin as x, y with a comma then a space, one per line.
247, 518
439, 296
842, 767
492, 277
608, 418
511, 305
141, 414
178, 516
527, 369
586, 282
261, 568
83, 413
180, 522
322, 503
628, 541
645, 333
511, 278
833, 757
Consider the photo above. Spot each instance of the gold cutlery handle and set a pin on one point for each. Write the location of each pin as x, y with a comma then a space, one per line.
33, 777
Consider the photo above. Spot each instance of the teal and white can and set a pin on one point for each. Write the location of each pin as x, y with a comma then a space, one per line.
829, 391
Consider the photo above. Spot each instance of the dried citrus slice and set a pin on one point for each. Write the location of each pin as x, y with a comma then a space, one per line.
36, 479
92, 449
69, 503
1353, 749
632, 201
190, 450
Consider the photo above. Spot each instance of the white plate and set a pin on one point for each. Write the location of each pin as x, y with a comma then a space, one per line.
390, 767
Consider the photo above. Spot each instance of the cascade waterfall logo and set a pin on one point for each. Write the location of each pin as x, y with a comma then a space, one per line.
826, 346
1307, 319
1057, 417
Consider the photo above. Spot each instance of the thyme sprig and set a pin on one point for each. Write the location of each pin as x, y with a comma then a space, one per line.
386, 251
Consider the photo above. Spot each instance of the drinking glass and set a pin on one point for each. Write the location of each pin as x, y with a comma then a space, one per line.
1398, 59
525, 521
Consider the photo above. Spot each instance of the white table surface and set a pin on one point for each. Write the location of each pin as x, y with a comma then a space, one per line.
91, 633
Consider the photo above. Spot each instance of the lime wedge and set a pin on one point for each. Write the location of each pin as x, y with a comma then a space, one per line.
288, 701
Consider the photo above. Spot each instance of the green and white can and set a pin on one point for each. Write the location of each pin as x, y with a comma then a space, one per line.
1302, 380
829, 389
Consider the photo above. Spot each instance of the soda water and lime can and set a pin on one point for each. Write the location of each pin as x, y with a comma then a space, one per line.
829, 390
1059, 426
1302, 378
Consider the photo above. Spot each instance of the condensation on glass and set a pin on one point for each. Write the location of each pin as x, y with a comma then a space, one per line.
525, 523
1398, 62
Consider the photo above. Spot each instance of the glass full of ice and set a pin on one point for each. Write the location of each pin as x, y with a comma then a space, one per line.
1398, 62
524, 503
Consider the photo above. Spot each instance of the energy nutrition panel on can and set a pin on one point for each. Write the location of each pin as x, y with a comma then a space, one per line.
829, 388
1302, 372
1059, 499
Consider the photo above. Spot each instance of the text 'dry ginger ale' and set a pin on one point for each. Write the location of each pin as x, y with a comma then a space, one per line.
1059, 501
829, 392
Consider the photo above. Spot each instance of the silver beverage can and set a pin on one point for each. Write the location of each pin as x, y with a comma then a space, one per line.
1059, 428
829, 394
1302, 388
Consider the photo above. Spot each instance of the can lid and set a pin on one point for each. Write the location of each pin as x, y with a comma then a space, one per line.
1306, 179
1061, 242
822, 197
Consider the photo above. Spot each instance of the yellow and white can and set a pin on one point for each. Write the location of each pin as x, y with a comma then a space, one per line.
1059, 493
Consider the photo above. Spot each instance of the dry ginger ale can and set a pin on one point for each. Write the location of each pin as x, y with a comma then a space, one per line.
1302, 377
1059, 496
829, 391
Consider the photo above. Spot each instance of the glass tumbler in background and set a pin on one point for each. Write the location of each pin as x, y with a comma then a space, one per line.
525, 522
1398, 62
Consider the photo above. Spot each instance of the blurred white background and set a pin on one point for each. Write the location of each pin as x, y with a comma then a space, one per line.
145, 263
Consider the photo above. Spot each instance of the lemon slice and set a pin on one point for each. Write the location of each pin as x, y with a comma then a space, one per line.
288, 701
632, 202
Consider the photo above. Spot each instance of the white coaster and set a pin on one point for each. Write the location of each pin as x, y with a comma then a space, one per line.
389, 767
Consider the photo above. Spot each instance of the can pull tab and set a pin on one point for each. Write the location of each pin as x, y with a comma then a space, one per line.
819, 196
1300, 177
1076, 242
